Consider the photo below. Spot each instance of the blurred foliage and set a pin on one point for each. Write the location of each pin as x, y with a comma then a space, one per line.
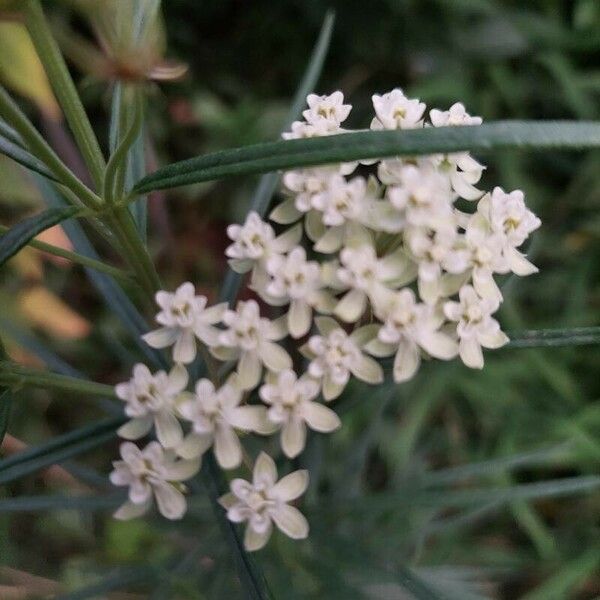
372, 508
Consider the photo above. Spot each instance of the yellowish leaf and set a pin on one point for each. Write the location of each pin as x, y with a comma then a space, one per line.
21, 69
47, 311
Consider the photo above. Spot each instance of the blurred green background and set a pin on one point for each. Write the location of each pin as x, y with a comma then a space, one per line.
374, 505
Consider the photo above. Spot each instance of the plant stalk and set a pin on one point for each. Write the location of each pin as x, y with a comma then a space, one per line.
64, 88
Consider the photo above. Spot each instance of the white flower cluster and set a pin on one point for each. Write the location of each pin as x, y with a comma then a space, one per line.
394, 268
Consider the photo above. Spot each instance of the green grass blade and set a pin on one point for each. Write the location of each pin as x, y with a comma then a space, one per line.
6, 399
546, 338
288, 154
417, 586
268, 183
114, 297
23, 504
22, 233
15, 152
58, 449
497, 465
119, 580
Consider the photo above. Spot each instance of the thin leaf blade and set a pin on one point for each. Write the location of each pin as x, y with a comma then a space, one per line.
347, 147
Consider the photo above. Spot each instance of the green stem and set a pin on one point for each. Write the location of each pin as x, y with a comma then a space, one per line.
80, 259
38, 146
135, 251
64, 88
19, 376
115, 170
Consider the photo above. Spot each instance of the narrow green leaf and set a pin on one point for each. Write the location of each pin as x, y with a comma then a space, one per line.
6, 131
268, 183
12, 150
417, 586
495, 466
22, 233
37, 504
5, 407
21, 376
541, 338
288, 154
114, 297
116, 581
58, 449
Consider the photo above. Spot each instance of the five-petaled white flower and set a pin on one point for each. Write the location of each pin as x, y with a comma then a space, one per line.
292, 407
250, 339
455, 116
184, 317
296, 281
328, 111
215, 414
265, 501
152, 472
151, 399
335, 355
407, 327
395, 111
475, 325
367, 276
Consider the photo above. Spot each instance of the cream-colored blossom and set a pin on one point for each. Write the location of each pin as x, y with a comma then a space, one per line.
152, 473
151, 400
184, 317
292, 407
265, 501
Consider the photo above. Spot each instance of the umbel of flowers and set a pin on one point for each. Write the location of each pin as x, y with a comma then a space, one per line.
389, 258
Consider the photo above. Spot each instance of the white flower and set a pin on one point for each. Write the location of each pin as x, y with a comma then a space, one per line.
328, 111
456, 116
335, 355
395, 111
184, 317
422, 195
305, 184
409, 326
476, 327
215, 414
463, 172
297, 281
300, 129
485, 257
265, 501
342, 201
151, 399
254, 243
512, 221
292, 407
152, 472
435, 250
367, 276
250, 338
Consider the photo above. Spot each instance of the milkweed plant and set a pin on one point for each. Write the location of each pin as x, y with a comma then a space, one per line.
384, 251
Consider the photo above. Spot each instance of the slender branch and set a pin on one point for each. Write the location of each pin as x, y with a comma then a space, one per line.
64, 88
80, 259
38, 146
20, 376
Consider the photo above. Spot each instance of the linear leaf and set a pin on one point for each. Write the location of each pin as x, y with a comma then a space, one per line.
60, 502
20, 234
268, 183
58, 449
540, 338
271, 156
418, 587
5, 400
12, 150
114, 297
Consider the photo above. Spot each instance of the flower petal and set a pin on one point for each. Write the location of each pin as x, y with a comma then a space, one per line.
161, 338
254, 540
184, 350
351, 307
407, 361
293, 437
274, 356
291, 521
168, 429
228, 449
129, 510
264, 470
320, 418
171, 502
249, 370
194, 444
291, 486
299, 318
367, 369
136, 428
470, 353
182, 470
